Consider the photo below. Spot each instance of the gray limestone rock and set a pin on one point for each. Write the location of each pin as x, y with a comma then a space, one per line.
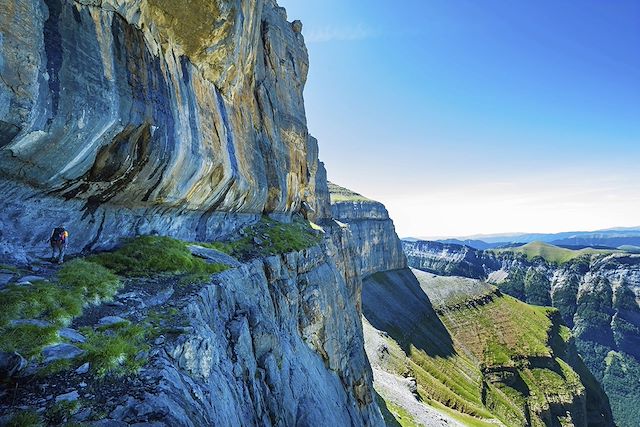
211, 138
32, 322
68, 397
72, 335
27, 280
61, 352
371, 229
213, 256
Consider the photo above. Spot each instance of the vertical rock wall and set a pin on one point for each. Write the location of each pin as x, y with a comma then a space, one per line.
140, 116
372, 230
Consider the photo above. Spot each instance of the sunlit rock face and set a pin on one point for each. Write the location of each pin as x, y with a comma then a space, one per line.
372, 231
119, 117
277, 342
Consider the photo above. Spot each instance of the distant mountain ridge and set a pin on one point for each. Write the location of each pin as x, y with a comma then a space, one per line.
607, 238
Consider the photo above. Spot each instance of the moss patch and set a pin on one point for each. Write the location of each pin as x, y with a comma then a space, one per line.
148, 255
269, 237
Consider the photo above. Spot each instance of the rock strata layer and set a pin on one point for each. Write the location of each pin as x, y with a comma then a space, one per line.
120, 118
371, 228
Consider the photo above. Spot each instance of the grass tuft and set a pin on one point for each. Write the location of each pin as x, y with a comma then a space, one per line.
80, 283
27, 340
94, 282
269, 237
116, 349
26, 419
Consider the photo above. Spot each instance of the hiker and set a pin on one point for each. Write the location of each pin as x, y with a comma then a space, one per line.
58, 241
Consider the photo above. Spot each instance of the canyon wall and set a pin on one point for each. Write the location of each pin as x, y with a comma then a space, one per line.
371, 228
597, 296
121, 118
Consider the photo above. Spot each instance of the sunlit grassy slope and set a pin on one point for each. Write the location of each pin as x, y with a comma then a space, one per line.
551, 253
341, 194
489, 359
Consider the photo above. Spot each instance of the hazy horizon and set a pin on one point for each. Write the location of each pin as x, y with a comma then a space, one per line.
466, 118
513, 234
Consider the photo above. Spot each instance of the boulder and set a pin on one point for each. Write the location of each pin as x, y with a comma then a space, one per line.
72, 335
213, 256
28, 280
33, 322
83, 369
63, 351
68, 397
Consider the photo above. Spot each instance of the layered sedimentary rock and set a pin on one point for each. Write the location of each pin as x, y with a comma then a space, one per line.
371, 229
597, 296
143, 116
275, 342
449, 259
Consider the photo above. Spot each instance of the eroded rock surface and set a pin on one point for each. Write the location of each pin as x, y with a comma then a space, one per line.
123, 118
373, 232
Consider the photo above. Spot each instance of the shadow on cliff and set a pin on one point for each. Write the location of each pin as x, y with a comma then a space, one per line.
394, 302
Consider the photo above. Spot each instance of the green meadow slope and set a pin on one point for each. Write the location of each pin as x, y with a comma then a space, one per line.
482, 357
551, 253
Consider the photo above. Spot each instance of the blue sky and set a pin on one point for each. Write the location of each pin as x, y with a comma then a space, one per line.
467, 116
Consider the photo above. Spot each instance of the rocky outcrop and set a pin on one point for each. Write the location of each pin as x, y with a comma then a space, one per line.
276, 342
122, 118
371, 228
449, 259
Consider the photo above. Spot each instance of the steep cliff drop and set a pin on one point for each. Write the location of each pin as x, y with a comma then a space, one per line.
456, 351
594, 290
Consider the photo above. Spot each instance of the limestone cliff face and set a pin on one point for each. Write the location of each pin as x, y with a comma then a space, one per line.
124, 117
449, 259
372, 230
275, 342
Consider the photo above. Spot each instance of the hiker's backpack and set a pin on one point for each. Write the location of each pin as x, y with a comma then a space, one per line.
59, 235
